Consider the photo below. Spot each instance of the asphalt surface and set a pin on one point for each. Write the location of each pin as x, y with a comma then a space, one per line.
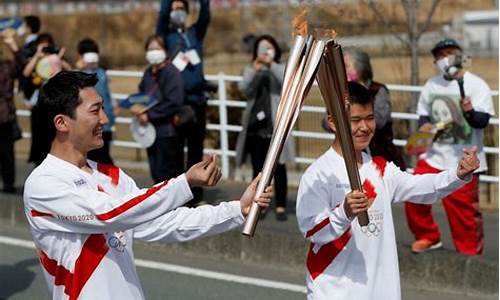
21, 277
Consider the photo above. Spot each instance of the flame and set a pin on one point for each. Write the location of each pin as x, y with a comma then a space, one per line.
324, 33
299, 23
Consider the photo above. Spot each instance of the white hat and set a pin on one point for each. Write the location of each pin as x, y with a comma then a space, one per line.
144, 135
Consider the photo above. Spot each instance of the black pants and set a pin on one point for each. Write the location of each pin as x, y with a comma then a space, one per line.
7, 159
165, 158
102, 155
194, 137
257, 148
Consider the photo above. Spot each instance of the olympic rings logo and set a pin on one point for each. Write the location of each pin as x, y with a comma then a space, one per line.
372, 229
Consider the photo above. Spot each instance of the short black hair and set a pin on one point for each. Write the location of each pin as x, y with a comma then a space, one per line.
45, 38
61, 95
87, 45
185, 2
359, 94
33, 23
273, 42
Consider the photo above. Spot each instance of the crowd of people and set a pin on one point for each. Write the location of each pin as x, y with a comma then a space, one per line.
72, 120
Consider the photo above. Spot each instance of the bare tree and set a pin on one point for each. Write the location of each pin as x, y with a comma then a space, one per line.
410, 39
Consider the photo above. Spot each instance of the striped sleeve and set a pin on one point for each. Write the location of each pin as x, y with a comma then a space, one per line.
318, 220
53, 203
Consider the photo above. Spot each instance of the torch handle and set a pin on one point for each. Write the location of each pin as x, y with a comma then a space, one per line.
460, 82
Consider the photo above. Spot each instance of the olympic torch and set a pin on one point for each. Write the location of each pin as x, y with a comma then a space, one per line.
332, 81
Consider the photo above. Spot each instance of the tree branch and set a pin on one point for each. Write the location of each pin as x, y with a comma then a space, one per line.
386, 23
427, 23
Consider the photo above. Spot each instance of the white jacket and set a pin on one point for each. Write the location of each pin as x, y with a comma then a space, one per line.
345, 260
83, 225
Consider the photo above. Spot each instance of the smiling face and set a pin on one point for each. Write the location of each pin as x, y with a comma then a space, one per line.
362, 125
84, 130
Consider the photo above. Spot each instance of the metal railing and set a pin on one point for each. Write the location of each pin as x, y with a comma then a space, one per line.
223, 127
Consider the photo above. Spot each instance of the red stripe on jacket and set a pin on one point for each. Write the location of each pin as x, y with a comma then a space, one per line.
318, 262
111, 171
130, 203
36, 213
318, 227
93, 251
380, 164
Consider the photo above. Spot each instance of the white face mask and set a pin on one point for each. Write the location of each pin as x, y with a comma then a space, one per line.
265, 49
21, 30
447, 65
156, 57
91, 57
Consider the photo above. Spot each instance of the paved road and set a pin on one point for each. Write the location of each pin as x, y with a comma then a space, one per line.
180, 277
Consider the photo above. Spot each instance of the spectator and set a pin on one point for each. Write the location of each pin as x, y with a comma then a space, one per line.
31, 28
185, 47
162, 81
88, 62
475, 109
261, 84
359, 69
9, 129
47, 52
345, 260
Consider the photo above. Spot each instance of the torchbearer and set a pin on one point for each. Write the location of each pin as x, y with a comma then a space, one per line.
347, 260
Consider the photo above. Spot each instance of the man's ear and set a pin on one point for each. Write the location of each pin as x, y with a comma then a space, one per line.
61, 123
331, 123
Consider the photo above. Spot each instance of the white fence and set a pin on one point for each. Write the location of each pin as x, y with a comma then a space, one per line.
224, 128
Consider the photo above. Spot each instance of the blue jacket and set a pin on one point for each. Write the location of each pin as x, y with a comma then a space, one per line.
166, 85
102, 88
191, 38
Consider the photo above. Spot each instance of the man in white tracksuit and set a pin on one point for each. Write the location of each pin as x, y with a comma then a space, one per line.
84, 216
345, 260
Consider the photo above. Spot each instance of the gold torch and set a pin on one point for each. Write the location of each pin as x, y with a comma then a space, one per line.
332, 81
299, 75
307, 55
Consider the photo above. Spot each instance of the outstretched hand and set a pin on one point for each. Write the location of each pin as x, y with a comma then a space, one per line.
204, 173
248, 196
469, 163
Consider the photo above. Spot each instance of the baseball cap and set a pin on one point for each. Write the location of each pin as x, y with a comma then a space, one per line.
445, 43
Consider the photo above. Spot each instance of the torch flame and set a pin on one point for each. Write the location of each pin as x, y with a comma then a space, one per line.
299, 23
325, 33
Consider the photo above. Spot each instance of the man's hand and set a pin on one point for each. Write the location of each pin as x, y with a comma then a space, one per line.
355, 203
248, 196
466, 104
204, 173
426, 127
469, 163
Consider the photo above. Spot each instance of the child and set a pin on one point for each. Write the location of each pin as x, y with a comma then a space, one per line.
345, 260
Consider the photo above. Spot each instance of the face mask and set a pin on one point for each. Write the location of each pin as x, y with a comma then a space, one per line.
156, 57
352, 75
448, 66
263, 49
178, 17
91, 57
21, 31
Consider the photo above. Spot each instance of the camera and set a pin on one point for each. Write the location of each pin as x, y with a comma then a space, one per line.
50, 50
